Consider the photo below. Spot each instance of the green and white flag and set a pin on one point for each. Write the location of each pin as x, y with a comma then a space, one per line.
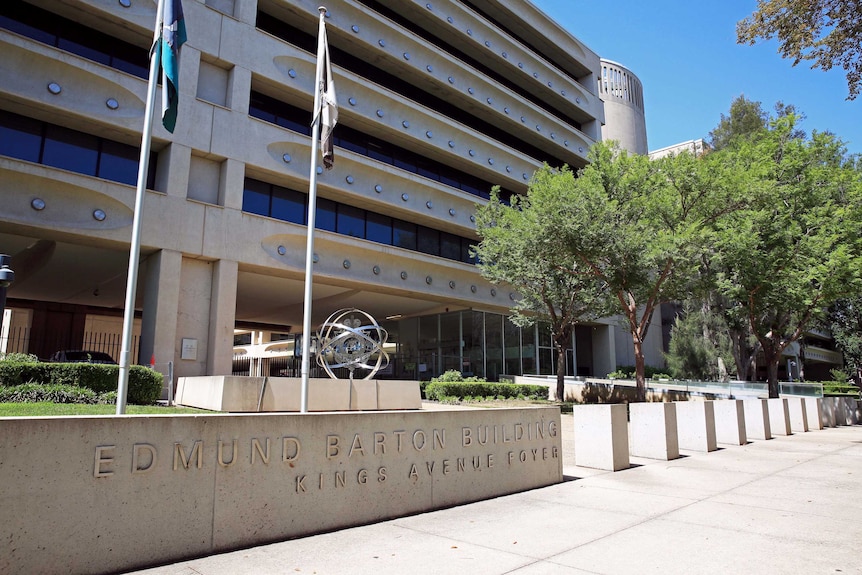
327, 106
173, 37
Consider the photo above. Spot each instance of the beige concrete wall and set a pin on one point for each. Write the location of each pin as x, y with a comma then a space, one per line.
108, 494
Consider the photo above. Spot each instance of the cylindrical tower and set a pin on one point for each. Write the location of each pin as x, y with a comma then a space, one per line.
622, 93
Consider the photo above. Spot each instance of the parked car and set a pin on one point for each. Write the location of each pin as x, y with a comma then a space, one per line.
81, 356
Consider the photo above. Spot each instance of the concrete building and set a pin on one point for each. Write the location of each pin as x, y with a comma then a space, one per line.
622, 93
439, 101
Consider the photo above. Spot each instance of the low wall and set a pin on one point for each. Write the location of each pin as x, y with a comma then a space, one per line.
108, 494
241, 394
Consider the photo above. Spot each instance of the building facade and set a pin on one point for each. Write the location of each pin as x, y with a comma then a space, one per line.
438, 102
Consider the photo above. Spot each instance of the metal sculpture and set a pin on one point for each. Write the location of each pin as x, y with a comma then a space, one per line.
351, 338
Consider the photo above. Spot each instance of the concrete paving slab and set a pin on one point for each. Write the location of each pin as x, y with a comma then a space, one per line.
786, 506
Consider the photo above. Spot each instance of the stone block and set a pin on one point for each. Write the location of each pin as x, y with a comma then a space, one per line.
696, 425
814, 412
827, 412
797, 413
757, 419
730, 421
840, 410
851, 408
398, 394
108, 494
601, 436
653, 430
779, 419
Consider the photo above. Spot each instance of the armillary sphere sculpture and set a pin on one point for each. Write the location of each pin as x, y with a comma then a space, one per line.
351, 338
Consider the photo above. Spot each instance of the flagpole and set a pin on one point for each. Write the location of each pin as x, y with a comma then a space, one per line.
135, 249
312, 201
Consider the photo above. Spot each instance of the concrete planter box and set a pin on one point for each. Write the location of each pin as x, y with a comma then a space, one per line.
797, 413
757, 419
840, 410
814, 411
851, 408
601, 436
653, 430
239, 394
779, 419
696, 425
730, 421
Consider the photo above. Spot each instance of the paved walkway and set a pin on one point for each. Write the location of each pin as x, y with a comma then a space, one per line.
784, 506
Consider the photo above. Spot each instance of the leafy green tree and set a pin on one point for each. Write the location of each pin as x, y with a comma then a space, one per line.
844, 320
795, 248
825, 32
521, 248
638, 227
746, 117
699, 345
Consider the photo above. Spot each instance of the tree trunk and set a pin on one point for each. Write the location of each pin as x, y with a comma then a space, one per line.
640, 379
561, 373
772, 358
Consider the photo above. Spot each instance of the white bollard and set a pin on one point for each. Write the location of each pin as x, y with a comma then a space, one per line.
730, 421
757, 419
695, 422
653, 430
814, 411
798, 414
601, 436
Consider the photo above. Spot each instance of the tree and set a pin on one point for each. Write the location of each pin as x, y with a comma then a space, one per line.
699, 344
520, 248
795, 248
745, 118
638, 227
826, 33
844, 320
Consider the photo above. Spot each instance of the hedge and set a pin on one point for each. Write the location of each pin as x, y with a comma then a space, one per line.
441, 389
145, 385
37, 392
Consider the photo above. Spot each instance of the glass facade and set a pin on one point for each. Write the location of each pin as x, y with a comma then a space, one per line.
476, 343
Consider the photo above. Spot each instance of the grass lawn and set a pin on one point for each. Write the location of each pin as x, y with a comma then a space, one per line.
50, 409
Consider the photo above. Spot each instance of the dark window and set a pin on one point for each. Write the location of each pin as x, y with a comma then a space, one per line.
71, 150
450, 246
20, 137
289, 205
378, 228
325, 215
404, 235
351, 221
29, 139
429, 241
119, 162
255, 197
49, 28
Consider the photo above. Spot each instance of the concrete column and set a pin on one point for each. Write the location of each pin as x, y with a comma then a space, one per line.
827, 412
696, 425
814, 412
239, 90
757, 419
798, 414
851, 406
222, 318
231, 180
604, 350
172, 176
601, 436
654, 430
245, 11
839, 408
161, 292
730, 421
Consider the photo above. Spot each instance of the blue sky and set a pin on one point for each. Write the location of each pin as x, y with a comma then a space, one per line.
686, 55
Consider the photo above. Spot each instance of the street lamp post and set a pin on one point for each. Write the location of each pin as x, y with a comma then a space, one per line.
7, 276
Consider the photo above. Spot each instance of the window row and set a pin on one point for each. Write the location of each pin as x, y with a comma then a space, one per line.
297, 120
398, 85
43, 143
292, 206
48, 28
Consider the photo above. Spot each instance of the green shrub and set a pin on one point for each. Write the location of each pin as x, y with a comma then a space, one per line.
438, 390
628, 372
145, 385
840, 388
36, 392
19, 357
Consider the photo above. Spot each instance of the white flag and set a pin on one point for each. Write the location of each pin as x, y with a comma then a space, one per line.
327, 107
